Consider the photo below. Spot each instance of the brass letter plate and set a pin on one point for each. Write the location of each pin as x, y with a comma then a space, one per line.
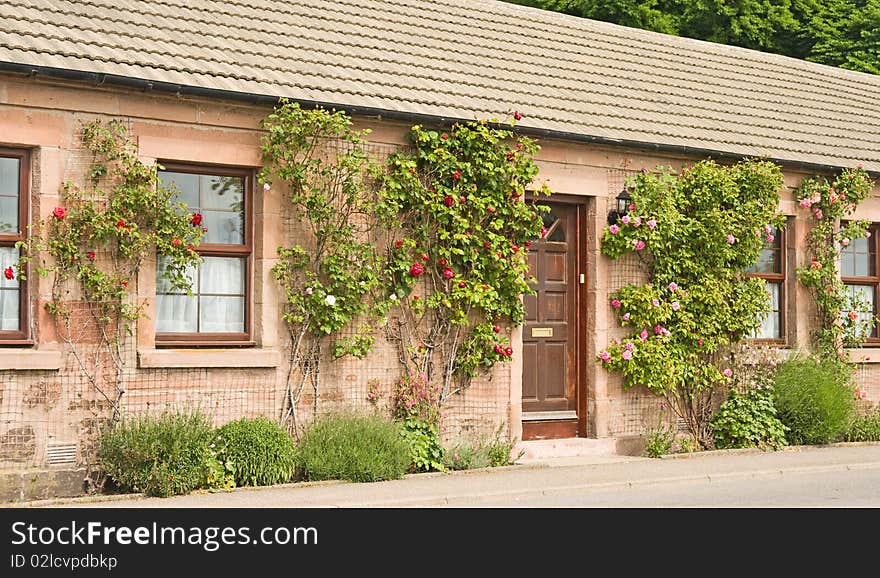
542, 332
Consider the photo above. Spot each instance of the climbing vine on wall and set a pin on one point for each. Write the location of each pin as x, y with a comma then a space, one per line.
332, 278
93, 245
829, 203
464, 216
697, 230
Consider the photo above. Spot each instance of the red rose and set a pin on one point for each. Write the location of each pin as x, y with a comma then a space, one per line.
517, 115
191, 247
59, 213
9, 273
444, 136
498, 349
514, 247
448, 201
462, 284
91, 255
196, 219
496, 329
486, 245
519, 145
457, 174
176, 242
398, 244
442, 262
528, 243
510, 155
543, 232
416, 270
120, 224
508, 351
424, 256
124, 283
490, 209
462, 200
448, 273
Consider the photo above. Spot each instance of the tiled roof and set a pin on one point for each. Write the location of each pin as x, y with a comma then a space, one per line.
465, 59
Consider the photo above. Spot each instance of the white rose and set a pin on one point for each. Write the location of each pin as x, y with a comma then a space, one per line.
330, 300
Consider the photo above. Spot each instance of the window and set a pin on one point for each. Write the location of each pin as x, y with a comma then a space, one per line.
858, 271
771, 268
218, 311
14, 194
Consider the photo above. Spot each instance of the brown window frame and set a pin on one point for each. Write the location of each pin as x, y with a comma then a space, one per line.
870, 281
20, 337
243, 339
778, 279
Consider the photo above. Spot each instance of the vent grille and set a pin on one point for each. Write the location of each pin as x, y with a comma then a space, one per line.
60, 454
681, 425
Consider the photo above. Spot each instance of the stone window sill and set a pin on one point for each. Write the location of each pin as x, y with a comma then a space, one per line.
24, 359
194, 358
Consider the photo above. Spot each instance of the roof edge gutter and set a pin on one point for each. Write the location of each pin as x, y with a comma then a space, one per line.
143, 85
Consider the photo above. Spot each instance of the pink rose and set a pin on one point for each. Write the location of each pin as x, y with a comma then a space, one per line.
727, 372
655, 302
627, 355
673, 286
637, 222
638, 244
625, 219
651, 224
806, 203
604, 356
626, 316
615, 303
643, 335
613, 229
731, 239
770, 238
630, 346
675, 306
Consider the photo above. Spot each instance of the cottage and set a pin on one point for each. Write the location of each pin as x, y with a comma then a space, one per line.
191, 81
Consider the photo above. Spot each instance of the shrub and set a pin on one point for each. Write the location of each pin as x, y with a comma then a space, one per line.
257, 452
159, 456
747, 419
354, 447
482, 452
814, 399
864, 428
425, 450
659, 442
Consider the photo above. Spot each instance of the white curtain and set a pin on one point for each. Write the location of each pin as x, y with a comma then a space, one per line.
9, 291
217, 303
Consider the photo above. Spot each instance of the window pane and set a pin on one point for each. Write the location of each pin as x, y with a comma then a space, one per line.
8, 258
176, 314
222, 275
855, 259
223, 227
8, 214
186, 184
163, 285
771, 320
769, 259
9, 309
221, 314
863, 301
9, 171
224, 193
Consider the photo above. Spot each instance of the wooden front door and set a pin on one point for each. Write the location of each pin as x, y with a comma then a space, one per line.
551, 387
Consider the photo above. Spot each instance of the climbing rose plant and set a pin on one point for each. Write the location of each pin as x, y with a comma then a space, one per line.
332, 277
829, 202
696, 232
95, 243
457, 262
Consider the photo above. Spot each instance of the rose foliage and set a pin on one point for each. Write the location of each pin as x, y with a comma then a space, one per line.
696, 231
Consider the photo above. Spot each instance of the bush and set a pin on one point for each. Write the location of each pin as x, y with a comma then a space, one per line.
354, 447
659, 442
257, 452
747, 419
814, 399
425, 450
159, 456
482, 452
864, 428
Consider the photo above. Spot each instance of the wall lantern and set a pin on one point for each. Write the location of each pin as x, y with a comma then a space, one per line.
623, 202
